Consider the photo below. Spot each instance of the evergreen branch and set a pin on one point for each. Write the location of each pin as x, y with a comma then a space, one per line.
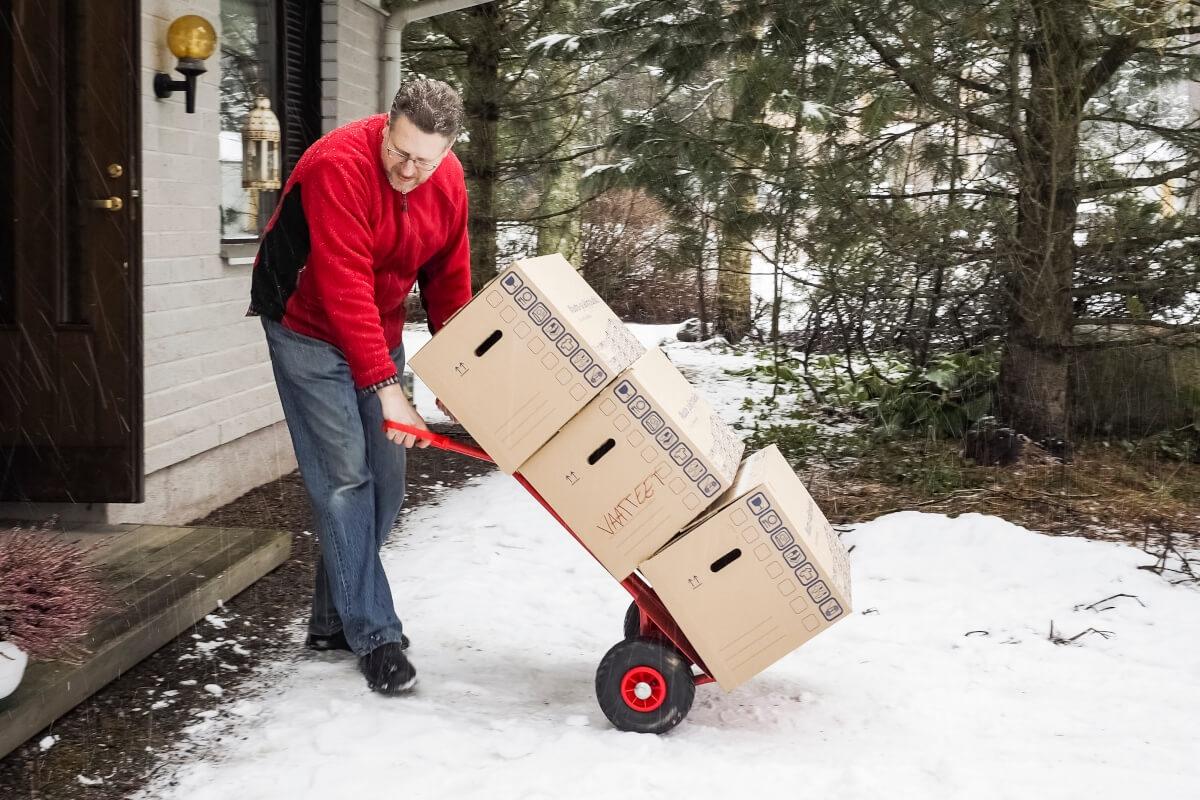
935, 193
1138, 242
921, 88
1120, 184
1133, 287
1119, 51
1166, 133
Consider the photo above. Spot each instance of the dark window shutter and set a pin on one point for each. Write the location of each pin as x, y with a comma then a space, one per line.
300, 77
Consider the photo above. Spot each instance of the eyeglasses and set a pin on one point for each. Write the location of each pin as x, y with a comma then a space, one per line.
404, 158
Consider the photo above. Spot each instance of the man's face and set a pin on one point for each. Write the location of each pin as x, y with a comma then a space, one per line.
410, 155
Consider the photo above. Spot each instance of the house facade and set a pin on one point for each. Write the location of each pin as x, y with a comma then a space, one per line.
133, 388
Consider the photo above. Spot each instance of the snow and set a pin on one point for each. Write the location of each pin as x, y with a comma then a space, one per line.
943, 683
562, 41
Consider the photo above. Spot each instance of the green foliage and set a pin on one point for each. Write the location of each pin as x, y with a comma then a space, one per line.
944, 401
1179, 445
798, 441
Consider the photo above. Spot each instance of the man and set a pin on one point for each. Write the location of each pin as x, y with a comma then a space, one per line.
371, 208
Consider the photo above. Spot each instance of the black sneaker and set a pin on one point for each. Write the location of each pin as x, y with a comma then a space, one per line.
337, 641
388, 670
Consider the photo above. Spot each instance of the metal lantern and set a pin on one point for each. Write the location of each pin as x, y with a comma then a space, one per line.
260, 148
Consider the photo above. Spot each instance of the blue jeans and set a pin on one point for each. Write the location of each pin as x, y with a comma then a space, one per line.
355, 480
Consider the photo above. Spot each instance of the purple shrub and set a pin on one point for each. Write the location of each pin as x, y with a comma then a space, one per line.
49, 598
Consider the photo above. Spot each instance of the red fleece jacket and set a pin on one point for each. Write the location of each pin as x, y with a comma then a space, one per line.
367, 245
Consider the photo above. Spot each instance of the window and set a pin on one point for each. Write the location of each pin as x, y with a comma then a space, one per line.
248, 71
272, 49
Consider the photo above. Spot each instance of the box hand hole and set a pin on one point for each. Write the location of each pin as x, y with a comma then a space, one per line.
487, 343
600, 451
727, 559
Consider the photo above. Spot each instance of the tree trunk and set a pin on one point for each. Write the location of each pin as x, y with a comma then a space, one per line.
736, 232
1033, 372
561, 234
560, 179
733, 260
481, 102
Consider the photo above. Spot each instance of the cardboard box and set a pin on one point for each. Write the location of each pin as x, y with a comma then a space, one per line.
757, 577
639, 462
530, 349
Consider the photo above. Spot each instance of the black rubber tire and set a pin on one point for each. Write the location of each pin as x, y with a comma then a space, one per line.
679, 690
633, 622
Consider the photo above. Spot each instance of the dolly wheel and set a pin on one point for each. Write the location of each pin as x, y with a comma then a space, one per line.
633, 622
644, 686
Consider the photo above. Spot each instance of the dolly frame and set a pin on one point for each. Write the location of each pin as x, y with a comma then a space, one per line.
654, 621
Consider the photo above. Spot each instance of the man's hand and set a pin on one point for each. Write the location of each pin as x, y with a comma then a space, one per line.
445, 410
397, 408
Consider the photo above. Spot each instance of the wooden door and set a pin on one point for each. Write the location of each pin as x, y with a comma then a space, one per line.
70, 252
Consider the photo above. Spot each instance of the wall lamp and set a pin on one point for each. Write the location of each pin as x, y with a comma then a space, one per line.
192, 39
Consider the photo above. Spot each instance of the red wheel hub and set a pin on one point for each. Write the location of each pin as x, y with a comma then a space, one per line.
643, 688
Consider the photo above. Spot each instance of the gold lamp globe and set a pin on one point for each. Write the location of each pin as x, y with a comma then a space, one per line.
191, 38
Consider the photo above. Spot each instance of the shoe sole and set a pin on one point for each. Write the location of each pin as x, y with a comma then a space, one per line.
392, 692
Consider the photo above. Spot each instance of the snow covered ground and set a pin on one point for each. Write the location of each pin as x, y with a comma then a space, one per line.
943, 683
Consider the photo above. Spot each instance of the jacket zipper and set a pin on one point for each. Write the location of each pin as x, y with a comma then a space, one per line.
404, 201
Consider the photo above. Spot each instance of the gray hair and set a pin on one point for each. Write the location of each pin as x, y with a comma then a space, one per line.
431, 105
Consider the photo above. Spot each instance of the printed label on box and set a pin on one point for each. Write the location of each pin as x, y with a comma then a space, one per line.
794, 556
553, 329
666, 439
758, 503
806, 574
783, 539
830, 609
581, 361
770, 521
819, 591
512, 282
595, 376
567, 345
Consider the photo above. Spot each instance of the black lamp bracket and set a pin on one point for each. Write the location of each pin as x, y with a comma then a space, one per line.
190, 68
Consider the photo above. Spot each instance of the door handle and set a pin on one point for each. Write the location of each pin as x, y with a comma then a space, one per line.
113, 203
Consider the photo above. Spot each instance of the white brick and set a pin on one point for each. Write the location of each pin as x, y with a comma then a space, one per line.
187, 345
250, 421
158, 325
207, 415
195, 293
160, 405
181, 449
161, 377
180, 270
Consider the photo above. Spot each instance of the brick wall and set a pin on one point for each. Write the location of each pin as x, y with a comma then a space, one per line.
207, 378
352, 32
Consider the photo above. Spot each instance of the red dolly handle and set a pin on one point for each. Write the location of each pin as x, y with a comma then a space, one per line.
437, 440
